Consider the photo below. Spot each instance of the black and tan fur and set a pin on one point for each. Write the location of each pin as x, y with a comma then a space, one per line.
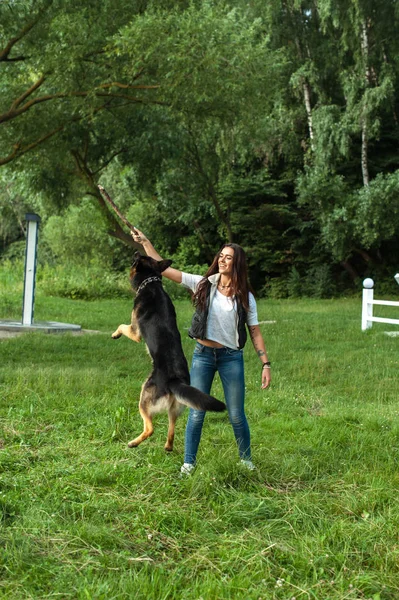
154, 319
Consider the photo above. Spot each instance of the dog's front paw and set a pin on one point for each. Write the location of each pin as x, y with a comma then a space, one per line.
116, 335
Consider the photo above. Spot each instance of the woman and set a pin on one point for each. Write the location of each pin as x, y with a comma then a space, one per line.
224, 304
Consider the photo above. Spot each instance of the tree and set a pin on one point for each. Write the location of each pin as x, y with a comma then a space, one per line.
348, 129
212, 117
114, 80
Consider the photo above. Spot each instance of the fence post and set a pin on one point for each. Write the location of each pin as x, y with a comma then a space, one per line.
28, 303
367, 305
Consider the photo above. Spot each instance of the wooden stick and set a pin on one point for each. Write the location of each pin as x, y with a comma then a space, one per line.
105, 195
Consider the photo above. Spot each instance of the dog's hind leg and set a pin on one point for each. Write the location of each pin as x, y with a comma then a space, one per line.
148, 429
172, 414
146, 398
175, 410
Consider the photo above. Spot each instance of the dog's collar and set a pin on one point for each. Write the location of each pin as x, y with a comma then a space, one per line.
144, 283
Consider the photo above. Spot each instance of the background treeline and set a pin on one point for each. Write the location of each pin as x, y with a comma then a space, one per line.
273, 124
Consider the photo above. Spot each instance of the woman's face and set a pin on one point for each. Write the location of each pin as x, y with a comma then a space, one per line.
225, 261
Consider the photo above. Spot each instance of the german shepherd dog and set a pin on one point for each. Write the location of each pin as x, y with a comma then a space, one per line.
154, 319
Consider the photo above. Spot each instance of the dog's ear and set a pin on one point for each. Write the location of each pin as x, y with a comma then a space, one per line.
136, 259
164, 264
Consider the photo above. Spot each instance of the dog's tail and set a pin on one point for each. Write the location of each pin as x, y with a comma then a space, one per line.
190, 396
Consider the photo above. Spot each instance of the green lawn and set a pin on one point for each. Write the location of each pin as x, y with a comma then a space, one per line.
85, 517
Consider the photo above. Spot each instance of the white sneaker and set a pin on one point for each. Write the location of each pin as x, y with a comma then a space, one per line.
248, 464
187, 469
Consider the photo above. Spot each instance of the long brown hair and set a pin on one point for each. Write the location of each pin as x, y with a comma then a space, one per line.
240, 286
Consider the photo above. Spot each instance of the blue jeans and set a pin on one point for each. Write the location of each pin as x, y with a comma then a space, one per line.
230, 366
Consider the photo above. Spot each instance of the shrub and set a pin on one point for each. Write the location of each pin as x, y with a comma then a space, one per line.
275, 288
84, 283
294, 283
319, 282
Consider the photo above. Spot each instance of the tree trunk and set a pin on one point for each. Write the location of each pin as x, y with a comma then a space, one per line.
224, 218
308, 106
365, 147
209, 250
365, 141
365, 255
305, 83
349, 269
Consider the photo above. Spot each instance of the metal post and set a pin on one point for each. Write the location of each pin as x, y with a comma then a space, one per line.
30, 268
367, 305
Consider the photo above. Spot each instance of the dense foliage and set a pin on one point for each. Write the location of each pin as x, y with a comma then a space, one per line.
271, 124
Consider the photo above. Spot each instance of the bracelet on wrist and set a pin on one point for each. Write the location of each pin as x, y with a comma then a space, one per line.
266, 365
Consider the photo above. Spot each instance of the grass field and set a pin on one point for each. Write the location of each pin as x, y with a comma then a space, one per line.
85, 517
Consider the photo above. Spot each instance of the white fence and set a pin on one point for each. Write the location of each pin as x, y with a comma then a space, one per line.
369, 302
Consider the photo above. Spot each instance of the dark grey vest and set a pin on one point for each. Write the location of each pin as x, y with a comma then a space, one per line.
198, 323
